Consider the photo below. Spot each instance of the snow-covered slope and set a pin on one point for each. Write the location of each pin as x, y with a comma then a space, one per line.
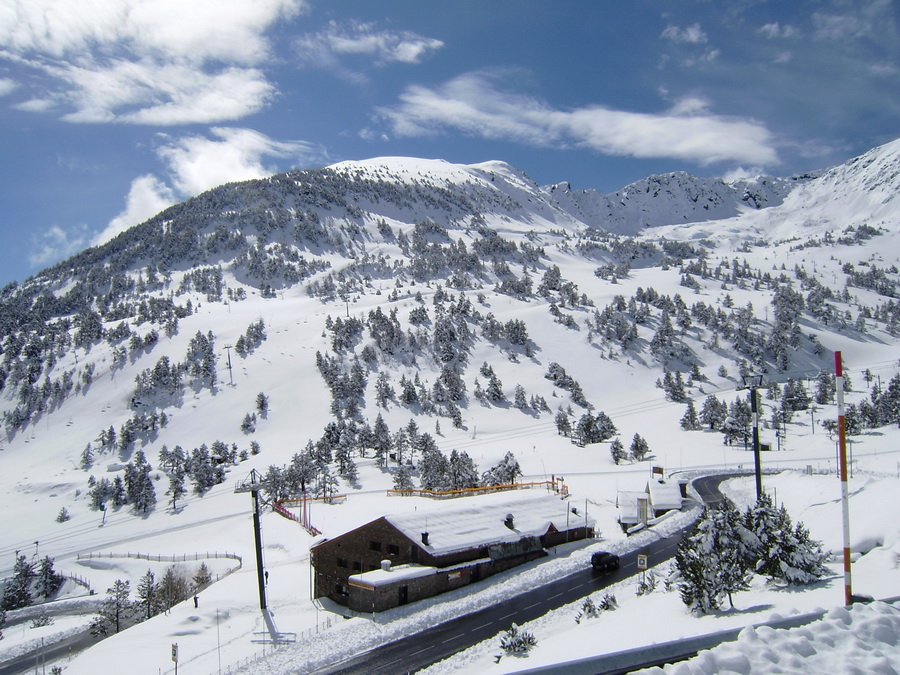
496, 315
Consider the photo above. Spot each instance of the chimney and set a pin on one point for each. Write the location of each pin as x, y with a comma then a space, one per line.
386, 565
509, 521
425, 538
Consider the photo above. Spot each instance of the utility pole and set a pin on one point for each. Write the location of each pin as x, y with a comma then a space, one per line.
753, 382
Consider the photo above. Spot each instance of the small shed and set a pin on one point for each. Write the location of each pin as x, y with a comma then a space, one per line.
634, 508
664, 496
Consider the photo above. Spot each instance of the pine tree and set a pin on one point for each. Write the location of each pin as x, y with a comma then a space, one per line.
494, 391
48, 580
504, 473
173, 587
461, 472
617, 450
139, 487
203, 577
690, 421
781, 550
17, 593
434, 470
262, 404
148, 595
563, 425
176, 487
517, 641
114, 611
639, 448
402, 480
713, 412
712, 562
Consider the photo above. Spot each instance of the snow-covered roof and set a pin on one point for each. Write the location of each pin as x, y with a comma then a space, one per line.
454, 529
380, 577
664, 495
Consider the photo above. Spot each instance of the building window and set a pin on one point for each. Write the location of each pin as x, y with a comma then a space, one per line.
357, 566
375, 545
393, 549
341, 562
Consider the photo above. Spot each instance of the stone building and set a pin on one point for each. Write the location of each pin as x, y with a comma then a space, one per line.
397, 559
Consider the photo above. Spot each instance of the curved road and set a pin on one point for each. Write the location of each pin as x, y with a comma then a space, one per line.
442, 641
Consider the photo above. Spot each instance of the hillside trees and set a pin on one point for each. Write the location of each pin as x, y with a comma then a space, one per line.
728, 547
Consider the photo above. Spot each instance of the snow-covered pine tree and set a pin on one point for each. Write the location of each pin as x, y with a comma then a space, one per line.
176, 486
461, 472
48, 580
617, 450
17, 593
503, 473
517, 640
433, 470
781, 550
690, 420
712, 562
402, 479
639, 448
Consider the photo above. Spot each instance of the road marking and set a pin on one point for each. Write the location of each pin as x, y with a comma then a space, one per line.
486, 625
424, 649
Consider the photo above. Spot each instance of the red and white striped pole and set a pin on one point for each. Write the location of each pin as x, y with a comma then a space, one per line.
845, 502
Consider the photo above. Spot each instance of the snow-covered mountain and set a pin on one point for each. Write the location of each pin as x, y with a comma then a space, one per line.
464, 306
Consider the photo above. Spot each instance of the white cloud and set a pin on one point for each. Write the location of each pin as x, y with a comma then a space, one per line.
147, 197
55, 244
148, 61
692, 34
154, 94
783, 57
198, 163
36, 105
776, 30
327, 48
741, 173
7, 86
471, 104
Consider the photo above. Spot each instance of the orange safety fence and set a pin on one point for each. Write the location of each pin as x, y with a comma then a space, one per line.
450, 494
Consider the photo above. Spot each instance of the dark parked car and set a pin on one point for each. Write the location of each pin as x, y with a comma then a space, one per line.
604, 561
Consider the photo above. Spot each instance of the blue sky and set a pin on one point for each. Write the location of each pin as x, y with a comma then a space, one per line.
111, 110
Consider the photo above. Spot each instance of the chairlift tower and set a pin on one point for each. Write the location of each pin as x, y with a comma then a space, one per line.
253, 484
753, 382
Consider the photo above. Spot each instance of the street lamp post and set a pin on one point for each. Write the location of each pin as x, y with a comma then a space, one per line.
753, 382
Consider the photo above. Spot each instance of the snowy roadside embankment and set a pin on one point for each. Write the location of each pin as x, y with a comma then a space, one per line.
858, 639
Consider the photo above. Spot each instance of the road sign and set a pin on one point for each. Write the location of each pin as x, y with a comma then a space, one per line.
175, 652
642, 561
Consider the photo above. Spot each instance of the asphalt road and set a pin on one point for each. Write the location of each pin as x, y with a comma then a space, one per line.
35, 662
440, 642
